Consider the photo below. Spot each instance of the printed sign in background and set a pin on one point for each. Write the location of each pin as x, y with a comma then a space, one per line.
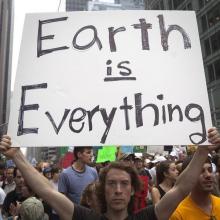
110, 78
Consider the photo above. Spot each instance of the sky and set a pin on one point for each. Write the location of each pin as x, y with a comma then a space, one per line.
21, 7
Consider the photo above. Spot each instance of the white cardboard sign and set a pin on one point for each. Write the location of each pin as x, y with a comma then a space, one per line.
110, 77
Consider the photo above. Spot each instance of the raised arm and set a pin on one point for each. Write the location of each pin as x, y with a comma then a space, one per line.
188, 178
39, 184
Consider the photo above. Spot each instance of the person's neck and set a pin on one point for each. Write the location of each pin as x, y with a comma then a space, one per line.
18, 189
202, 199
79, 166
119, 215
166, 185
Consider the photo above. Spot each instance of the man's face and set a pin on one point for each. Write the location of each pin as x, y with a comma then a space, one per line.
117, 190
19, 179
206, 178
86, 156
10, 175
138, 164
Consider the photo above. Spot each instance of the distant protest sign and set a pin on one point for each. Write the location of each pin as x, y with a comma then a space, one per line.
107, 153
110, 78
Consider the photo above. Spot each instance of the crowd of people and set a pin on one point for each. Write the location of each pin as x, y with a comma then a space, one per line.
132, 187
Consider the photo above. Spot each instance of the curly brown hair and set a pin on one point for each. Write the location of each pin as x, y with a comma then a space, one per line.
135, 183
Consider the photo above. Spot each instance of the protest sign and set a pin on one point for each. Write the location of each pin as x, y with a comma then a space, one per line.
107, 153
110, 78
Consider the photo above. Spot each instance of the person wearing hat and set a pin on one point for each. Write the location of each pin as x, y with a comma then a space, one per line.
118, 183
128, 159
32, 209
47, 172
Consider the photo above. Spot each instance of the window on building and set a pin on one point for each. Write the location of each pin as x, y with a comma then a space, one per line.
207, 47
217, 69
204, 23
214, 15
189, 6
161, 5
216, 95
156, 7
211, 75
215, 42
176, 3
201, 4
170, 3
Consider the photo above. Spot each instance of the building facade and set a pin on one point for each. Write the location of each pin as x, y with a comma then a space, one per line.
208, 19
76, 5
131, 4
100, 6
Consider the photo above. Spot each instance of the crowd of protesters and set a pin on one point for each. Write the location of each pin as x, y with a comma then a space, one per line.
113, 190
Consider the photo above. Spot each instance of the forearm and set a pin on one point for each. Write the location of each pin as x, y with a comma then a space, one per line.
189, 176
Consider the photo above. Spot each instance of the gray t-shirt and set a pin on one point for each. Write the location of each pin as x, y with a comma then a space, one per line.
72, 183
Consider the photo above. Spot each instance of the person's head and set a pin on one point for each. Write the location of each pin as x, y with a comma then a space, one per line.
166, 170
179, 164
128, 159
118, 183
89, 197
32, 209
83, 154
138, 162
2, 170
9, 174
205, 182
47, 173
55, 172
26, 191
19, 180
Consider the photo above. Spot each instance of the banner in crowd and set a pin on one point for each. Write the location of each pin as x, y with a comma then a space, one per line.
110, 78
107, 153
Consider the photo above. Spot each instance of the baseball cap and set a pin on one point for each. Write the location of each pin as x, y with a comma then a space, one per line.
47, 170
159, 159
32, 209
127, 157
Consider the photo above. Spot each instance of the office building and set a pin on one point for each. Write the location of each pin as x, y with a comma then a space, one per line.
77, 5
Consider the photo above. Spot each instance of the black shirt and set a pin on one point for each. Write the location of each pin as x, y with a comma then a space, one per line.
82, 213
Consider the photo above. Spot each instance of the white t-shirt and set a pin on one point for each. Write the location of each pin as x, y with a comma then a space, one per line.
2, 196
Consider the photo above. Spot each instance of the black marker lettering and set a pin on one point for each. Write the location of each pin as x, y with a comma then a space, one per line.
121, 66
201, 118
126, 107
23, 107
94, 40
139, 109
108, 121
41, 52
165, 33
144, 32
83, 111
57, 129
90, 116
112, 33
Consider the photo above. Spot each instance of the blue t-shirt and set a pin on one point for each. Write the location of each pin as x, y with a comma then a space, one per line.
72, 183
